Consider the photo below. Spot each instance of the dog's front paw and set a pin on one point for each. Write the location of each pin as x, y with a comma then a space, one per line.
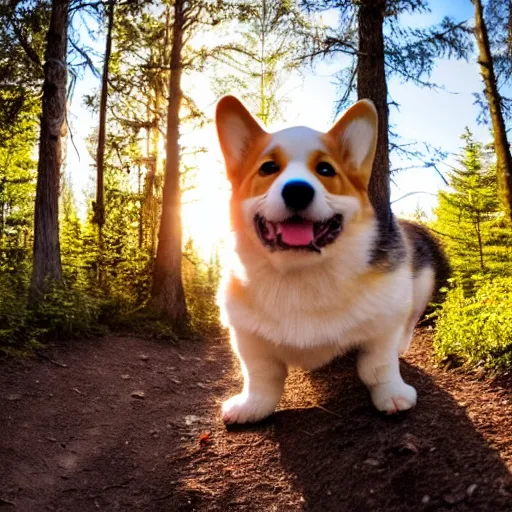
393, 397
246, 408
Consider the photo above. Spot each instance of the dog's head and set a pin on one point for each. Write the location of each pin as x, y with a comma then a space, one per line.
296, 191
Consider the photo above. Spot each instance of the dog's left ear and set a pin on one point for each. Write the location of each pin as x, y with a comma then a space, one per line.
354, 137
238, 130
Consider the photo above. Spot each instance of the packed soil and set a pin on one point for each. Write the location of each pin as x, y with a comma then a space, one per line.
129, 424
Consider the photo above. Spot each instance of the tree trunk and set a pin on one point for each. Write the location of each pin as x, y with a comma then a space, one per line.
47, 265
167, 293
371, 84
99, 206
141, 208
263, 110
501, 145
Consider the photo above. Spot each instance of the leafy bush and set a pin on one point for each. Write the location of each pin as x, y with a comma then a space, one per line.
476, 331
201, 282
15, 335
65, 310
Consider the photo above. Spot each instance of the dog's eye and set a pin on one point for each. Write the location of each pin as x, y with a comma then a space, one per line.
325, 169
268, 168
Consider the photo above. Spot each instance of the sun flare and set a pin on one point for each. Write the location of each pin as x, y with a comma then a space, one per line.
205, 209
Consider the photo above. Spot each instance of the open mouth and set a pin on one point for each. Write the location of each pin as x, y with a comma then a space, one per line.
298, 233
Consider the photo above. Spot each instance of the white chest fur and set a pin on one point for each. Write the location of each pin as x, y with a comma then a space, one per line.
321, 308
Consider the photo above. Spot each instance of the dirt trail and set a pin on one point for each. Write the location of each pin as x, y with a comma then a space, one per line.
129, 424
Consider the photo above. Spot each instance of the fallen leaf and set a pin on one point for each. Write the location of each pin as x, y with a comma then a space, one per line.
14, 397
139, 394
204, 439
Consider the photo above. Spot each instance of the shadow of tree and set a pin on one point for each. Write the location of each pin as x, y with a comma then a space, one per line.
348, 457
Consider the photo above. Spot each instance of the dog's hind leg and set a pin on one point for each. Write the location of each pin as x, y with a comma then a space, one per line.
379, 368
264, 377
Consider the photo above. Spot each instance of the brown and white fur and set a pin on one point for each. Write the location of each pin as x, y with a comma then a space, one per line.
306, 291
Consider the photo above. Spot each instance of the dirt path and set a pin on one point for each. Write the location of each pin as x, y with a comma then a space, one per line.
129, 424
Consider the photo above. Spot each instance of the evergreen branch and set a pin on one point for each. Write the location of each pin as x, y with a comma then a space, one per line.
233, 48
29, 51
87, 60
191, 19
447, 235
501, 352
412, 194
95, 5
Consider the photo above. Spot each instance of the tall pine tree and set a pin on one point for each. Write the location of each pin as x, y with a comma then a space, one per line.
380, 46
470, 218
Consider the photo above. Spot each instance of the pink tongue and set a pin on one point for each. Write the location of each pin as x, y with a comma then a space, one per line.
296, 234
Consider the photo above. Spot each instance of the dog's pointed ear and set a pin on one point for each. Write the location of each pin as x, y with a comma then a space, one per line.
236, 128
354, 136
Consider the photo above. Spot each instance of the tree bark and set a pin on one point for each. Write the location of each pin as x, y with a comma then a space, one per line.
501, 145
167, 293
47, 264
99, 206
371, 84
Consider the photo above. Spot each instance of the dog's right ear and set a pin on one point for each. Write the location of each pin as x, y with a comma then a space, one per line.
236, 128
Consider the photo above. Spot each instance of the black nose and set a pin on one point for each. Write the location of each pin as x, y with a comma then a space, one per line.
298, 195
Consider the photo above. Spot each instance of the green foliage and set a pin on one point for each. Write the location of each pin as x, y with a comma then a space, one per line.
272, 37
475, 330
17, 173
64, 311
14, 335
474, 326
201, 283
474, 230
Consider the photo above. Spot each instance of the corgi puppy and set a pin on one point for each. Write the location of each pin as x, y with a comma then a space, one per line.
317, 274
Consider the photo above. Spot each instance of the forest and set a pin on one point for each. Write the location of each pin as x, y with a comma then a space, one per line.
127, 258
114, 235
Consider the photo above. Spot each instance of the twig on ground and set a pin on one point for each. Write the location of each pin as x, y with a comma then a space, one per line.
122, 485
118, 486
44, 356
328, 411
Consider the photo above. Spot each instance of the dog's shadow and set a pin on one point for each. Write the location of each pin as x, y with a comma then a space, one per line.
347, 457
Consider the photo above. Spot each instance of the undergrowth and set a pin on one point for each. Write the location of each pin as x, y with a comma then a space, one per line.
475, 329
75, 309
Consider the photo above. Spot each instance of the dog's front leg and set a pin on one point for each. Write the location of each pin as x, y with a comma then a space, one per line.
264, 377
379, 368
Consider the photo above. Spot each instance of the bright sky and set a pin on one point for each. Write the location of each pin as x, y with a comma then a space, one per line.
435, 117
